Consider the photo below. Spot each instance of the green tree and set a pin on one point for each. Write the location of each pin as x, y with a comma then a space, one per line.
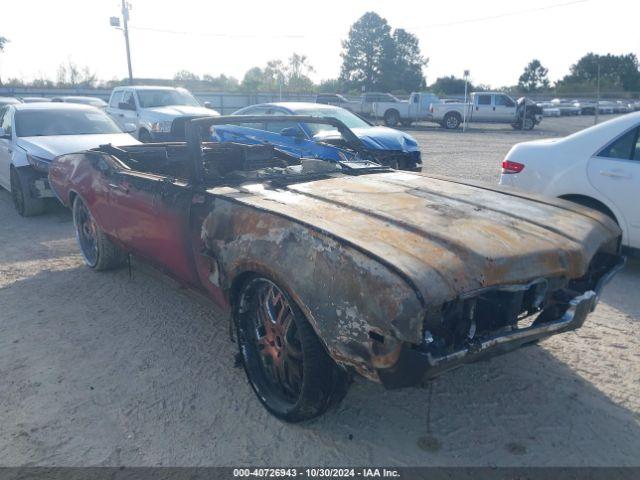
534, 77
252, 81
365, 51
185, 76
221, 82
375, 58
450, 86
619, 71
274, 76
298, 71
3, 42
407, 63
71, 75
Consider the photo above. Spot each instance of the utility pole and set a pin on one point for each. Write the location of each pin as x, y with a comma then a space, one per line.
464, 110
125, 18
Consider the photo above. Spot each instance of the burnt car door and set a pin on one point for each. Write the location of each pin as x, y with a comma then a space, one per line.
152, 219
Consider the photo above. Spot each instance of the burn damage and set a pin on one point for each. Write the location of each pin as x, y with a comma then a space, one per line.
401, 275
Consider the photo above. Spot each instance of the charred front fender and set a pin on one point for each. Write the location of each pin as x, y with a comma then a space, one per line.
362, 310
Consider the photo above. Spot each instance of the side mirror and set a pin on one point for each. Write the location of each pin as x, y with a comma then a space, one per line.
208, 105
291, 132
125, 106
129, 128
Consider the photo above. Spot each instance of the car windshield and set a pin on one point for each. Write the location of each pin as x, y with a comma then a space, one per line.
349, 119
164, 98
37, 123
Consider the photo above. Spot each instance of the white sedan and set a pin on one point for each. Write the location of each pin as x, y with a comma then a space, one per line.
598, 167
33, 134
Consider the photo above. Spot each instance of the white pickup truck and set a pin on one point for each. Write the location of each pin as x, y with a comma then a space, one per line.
365, 104
401, 111
487, 107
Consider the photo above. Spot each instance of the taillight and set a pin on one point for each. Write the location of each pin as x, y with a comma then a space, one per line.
511, 167
431, 109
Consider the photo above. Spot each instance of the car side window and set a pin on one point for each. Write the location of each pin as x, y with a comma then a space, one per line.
504, 101
116, 98
128, 99
484, 99
277, 127
6, 121
624, 147
2, 111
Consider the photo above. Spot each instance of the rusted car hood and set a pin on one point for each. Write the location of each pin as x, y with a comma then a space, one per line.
445, 237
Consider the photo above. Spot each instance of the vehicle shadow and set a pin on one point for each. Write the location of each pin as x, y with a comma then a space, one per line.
150, 366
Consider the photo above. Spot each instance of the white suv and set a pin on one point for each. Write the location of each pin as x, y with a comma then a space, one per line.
159, 113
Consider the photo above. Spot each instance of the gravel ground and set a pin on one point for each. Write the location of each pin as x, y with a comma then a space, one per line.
108, 369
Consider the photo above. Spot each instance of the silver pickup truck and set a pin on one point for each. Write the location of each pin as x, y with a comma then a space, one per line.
487, 107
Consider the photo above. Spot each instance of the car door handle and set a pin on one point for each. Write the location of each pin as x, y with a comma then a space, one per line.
117, 186
614, 174
121, 114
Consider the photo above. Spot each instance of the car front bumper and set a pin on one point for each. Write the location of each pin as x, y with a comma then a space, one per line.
415, 365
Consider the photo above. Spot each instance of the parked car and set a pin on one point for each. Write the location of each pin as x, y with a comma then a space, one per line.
34, 99
566, 107
332, 99
403, 112
380, 144
598, 167
9, 101
606, 107
549, 109
159, 113
93, 101
333, 269
32, 134
489, 107
364, 105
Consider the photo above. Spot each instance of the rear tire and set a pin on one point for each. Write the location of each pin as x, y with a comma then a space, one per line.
97, 250
25, 204
451, 121
391, 118
285, 362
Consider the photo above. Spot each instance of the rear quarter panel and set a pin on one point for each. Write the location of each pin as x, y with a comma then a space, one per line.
80, 174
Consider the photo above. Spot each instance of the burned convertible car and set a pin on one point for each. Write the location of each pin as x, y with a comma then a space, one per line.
335, 268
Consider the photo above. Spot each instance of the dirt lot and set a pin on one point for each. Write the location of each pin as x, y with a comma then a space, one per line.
104, 369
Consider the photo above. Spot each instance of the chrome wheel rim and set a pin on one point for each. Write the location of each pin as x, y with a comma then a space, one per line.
272, 348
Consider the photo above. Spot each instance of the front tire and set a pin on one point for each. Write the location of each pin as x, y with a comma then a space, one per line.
285, 362
97, 250
25, 204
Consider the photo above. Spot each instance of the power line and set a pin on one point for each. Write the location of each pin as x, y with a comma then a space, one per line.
501, 15
210, 34
299, 36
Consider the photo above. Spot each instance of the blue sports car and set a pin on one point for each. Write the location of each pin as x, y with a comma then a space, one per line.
383, 145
